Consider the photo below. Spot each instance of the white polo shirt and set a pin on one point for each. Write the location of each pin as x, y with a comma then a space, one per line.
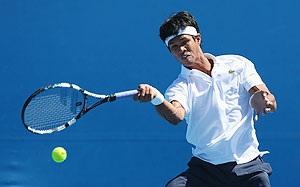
219, 117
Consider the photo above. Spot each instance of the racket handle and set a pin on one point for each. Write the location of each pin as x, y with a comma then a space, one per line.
125, 94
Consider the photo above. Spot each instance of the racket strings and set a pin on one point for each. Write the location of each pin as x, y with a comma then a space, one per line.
53, 108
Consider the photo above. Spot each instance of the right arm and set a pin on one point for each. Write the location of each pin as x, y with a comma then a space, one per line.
172, 111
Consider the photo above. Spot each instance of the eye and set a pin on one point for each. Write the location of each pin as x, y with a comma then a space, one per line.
185, 42
176, 45
173, 47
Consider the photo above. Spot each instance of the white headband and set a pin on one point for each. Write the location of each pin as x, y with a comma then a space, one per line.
187, 30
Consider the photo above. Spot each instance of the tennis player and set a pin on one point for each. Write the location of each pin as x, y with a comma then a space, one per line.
217, 96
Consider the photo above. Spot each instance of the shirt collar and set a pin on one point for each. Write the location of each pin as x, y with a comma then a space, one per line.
185, 71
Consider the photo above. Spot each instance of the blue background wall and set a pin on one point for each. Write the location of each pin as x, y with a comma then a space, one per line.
108, 46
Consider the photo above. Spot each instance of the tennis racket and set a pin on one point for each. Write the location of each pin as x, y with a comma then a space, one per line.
56, 107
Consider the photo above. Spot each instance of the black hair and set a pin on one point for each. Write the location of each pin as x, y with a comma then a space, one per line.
175, 22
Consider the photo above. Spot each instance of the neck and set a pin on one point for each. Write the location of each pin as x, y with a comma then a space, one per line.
204, 64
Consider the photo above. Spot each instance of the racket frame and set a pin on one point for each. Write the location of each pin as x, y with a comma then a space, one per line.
101, 99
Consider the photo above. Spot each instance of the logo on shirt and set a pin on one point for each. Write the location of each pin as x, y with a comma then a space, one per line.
231, 71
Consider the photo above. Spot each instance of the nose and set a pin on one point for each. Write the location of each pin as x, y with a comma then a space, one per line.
182, 48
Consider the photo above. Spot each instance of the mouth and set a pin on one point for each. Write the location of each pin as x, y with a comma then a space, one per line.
185, 56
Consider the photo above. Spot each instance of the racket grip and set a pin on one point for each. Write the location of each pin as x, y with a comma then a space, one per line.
125, 94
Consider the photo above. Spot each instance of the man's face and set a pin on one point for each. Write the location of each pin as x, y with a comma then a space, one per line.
186, 49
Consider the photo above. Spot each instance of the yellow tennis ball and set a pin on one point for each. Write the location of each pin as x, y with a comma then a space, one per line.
59, 154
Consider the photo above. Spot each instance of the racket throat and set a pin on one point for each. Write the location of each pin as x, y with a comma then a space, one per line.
111, 98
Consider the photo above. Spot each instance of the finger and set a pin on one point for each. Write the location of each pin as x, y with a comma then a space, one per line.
142, 90
268, 97
140, 86
147, 91
265, 94
144, 93
267, 110
255, 118
269, 105
152, 93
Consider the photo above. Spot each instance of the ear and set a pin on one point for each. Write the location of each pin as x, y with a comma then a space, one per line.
198, 39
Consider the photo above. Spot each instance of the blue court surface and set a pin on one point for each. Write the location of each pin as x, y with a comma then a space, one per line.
110, 46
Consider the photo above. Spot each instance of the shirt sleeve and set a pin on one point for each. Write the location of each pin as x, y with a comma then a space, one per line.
178, 91
250, 77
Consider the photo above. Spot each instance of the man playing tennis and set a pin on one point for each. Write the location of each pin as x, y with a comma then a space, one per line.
217, 96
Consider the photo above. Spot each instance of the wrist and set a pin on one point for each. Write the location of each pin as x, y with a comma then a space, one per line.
158, 99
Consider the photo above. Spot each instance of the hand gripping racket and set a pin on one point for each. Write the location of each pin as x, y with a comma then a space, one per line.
58, 106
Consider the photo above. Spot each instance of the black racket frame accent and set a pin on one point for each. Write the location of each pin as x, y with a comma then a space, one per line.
85, 109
